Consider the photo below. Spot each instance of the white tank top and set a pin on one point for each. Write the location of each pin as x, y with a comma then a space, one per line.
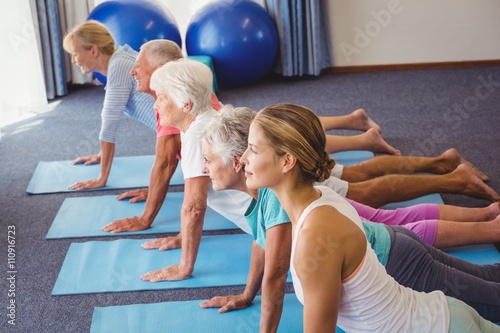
371, 300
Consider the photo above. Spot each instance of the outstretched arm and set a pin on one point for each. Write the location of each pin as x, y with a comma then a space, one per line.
192, 217
164, 167
254, 281
105, 157
268, 268
115, 101
277, 263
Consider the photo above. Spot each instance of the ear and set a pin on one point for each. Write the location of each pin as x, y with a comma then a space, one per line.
94, 50
187, 107
289, 162
238, 166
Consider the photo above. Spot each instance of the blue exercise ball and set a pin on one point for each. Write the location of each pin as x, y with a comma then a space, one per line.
239, 35
135, 22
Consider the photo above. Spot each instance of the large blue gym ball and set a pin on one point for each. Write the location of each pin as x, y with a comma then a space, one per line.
135, 22
239, 35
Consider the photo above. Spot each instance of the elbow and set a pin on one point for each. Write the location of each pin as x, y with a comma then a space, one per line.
166, 164
194, 212
275, 279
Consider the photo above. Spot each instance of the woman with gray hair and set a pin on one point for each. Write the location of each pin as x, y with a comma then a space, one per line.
398, 249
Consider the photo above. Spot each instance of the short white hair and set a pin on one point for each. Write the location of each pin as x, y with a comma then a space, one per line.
160, 51
227, 133
185, 81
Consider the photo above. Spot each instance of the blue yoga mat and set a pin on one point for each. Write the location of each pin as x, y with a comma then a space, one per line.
351, 157
85, 216
115, 266
126, 172
188, 316
482, 254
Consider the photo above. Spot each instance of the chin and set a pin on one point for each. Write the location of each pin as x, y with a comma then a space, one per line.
251, 185
217, 188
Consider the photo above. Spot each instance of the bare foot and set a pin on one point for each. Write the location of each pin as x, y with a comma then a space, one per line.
474, 186
453, 159
379, 145
363, 122
494, 209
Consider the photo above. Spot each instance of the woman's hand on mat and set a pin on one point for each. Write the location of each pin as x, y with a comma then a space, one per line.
162, 244
170, 273
227, 303
87, 160
135, 223
135, 195
87, 184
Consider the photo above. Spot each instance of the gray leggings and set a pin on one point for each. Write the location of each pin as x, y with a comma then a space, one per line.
419, 266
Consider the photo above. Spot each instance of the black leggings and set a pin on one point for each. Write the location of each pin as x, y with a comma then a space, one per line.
419, 266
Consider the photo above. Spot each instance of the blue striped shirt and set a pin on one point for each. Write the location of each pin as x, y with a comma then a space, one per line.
122, 96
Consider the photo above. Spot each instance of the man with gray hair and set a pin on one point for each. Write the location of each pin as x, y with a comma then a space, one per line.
152, 55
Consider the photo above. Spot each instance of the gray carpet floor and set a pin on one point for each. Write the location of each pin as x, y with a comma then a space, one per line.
422, 112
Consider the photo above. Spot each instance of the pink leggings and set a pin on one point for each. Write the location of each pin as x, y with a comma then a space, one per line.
421, 219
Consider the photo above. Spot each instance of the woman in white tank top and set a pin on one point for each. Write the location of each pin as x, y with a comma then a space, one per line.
335, 272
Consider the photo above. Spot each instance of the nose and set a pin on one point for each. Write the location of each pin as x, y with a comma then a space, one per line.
204, 169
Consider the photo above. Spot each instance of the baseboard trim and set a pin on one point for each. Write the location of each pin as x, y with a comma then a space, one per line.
395, 67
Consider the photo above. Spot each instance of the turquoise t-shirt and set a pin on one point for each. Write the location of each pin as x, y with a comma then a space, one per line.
264, 213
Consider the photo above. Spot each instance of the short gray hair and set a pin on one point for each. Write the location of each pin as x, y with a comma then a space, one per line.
184, 81
227, 134
160, 51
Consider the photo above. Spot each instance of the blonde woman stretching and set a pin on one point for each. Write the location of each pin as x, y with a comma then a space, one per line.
335, 272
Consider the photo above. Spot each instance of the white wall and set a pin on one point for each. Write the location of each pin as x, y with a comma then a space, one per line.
375, 32
417, 31
22, 87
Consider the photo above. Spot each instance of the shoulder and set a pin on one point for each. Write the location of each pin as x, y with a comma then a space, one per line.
125, 52
122, 60
319, 247
325, 224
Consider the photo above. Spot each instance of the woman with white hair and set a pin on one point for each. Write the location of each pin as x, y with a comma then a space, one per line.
183, 89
